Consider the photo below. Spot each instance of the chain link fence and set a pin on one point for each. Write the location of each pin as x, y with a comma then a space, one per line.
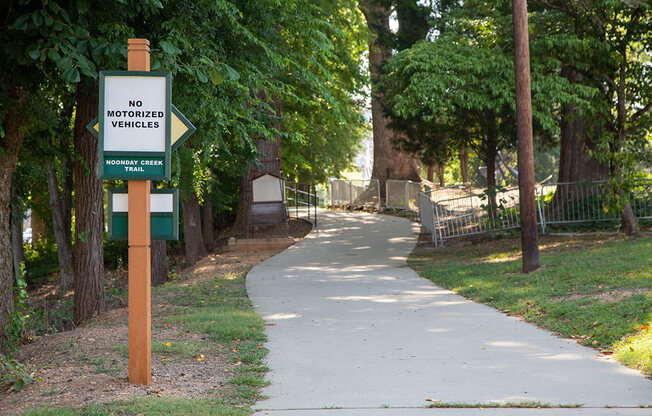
355, 193
557, 203
402, 194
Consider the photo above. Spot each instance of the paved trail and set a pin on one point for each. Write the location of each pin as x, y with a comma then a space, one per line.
352, 327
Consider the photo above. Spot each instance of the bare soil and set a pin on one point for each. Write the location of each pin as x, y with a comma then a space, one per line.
89, 364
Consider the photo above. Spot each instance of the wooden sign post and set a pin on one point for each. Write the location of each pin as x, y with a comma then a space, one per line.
137, 129
140, 307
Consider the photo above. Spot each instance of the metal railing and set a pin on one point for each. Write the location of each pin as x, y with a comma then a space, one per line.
401, 194
354, 193
559, 203
577, 202
302, 201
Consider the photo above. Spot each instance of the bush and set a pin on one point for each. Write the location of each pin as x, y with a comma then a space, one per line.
13, 373
116, 254
41, 261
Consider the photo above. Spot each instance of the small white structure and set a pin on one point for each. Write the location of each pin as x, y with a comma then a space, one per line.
268, 188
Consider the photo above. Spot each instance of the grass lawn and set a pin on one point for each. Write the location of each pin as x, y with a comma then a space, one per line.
220, 309
596, 290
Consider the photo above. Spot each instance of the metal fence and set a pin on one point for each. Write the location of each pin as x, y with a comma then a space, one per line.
402, 194
560, 203
570, 202
355, 193
302, 201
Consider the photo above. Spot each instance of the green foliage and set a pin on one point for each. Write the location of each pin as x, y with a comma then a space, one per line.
15, 328
41, 261
147, 406
116, 254
14, 373
456, 91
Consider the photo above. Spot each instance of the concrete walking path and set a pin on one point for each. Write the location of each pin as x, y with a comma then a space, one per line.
351, 326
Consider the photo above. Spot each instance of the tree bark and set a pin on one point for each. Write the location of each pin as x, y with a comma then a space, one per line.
61, 232
17, 248
441, 171
431, 173
527, 201
10, 145
464, 164
208, 228
389, 162
192, 233
89, 214
159, 262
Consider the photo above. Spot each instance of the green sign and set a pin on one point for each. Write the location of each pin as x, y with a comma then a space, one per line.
164, 214
134, 125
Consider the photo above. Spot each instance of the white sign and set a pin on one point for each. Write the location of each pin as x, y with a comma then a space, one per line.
267, 188
157, 202
135, 113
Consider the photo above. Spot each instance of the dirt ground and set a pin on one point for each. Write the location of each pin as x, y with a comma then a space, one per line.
89, 364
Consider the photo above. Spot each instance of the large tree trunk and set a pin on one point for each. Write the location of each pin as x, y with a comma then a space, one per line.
192, 234
268, 161
61, 232
17, 248
10, 145
208, 229
464, 164
389, 163
89, 214
575, 164
159, 262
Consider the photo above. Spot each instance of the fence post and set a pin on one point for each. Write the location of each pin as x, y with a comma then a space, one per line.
406, 194
436, 212
387, 193
316, 202
541, 211
378, 189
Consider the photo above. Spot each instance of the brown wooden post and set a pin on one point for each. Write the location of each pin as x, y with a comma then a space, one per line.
529, 237
140, 324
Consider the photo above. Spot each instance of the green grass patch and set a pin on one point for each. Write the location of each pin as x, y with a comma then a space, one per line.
597, 290
147, 406
184, 349
224, 323
220, 309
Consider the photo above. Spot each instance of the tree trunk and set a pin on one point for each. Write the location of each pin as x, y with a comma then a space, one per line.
464, 164
575, 164
441, 171
267, 161
389, 163
39, 230
159, 262
527, 202
17, 249
629, 220
208, 229
192, 234
431, 173
10, 145
490, 162
89, 214
61, 232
